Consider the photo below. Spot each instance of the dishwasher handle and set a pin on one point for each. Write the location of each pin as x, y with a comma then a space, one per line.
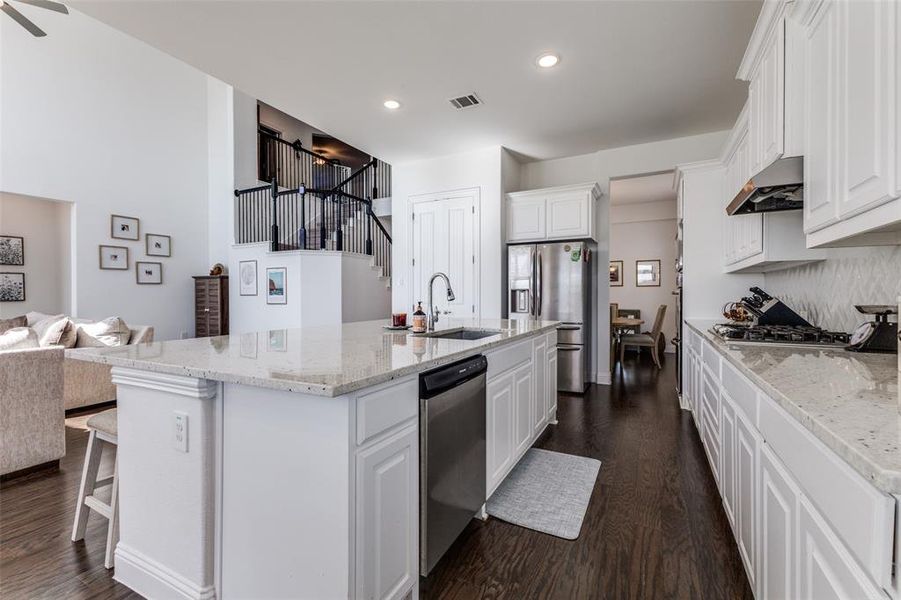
437, 381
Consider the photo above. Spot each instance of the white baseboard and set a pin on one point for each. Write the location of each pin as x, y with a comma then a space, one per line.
604, 378
153, 580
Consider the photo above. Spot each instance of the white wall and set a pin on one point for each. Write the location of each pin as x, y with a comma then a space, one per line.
632, 240
478, 169
99, 119
45, 227
322, 287
600, 167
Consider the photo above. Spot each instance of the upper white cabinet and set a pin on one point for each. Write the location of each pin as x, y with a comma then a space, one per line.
766, 99
851, 170
566, 212
756, 243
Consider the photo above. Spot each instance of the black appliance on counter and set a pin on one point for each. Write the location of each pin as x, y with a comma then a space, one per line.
876, 336
767, 310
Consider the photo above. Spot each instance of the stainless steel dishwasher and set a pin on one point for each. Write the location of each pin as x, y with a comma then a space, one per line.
452, 454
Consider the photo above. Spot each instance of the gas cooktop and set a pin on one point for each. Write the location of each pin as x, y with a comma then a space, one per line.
780, 334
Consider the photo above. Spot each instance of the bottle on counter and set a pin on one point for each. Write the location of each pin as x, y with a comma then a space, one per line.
420, 322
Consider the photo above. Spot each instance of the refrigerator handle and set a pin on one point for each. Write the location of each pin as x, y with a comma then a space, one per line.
538, 285
532, 287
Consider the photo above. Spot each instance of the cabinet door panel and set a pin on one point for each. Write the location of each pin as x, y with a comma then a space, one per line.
778, 530
500, 396
551, 386
540, 410
866, 104
827, 571
524, 405
822, 141
746, 458
772, 76
526, 219
727, 458
387, 516
567, 216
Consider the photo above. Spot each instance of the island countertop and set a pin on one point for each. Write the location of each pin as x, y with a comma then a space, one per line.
848, 400
328, 360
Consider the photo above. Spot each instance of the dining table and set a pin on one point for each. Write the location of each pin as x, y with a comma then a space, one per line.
618, 324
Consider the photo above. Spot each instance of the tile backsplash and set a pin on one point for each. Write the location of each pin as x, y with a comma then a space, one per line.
825, 292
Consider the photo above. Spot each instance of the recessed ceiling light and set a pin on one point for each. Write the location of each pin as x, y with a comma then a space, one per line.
392, 104
546, 61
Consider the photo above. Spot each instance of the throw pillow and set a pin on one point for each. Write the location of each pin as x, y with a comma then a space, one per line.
69, 335
51, 330
108, 332
34, 317
7, 324
18, 338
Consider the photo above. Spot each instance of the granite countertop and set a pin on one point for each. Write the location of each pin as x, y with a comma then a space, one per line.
848, 400
326, 360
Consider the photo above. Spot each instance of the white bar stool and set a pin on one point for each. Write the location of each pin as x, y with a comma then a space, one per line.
99, 495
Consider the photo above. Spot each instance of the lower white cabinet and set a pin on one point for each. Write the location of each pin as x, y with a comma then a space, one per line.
805, 525
778, 576
524, 395
501, 399
387, 550
551, 385
827, 572
521, 396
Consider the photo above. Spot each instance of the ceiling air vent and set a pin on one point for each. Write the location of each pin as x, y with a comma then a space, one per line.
467, 101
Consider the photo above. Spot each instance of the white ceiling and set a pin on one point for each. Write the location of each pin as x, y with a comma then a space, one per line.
644, 188
630, 71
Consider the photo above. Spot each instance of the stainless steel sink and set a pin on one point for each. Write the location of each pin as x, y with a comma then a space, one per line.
464, 333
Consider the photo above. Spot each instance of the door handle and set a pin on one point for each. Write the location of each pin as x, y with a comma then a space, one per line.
532, 286
568, 348
538, 286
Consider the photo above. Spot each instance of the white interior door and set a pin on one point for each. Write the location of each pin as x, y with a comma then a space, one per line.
444, 240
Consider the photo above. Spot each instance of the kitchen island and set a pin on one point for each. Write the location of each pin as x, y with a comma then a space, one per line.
286, 463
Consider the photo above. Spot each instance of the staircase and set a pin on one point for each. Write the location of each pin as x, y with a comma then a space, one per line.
334, 213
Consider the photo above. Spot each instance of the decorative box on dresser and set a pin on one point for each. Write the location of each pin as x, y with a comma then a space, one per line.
210, 305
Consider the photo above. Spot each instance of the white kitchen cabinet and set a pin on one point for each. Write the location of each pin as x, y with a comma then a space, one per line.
747, 444
501, 397
559, 213
551, 386
851, 173
387, 550
778, 575
827, 572
524, 406
527, 218
767, 117
540, 410
727, 458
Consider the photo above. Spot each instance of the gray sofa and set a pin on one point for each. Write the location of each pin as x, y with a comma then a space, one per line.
37, 386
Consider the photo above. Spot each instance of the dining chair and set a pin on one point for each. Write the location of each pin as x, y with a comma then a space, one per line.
650, 339
614, 312
629, 313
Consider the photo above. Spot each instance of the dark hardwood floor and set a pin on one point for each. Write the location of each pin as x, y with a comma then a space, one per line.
655, 526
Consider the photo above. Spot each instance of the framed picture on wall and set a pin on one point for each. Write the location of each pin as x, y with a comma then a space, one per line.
647, 273
276, 285
124, 228
12, 250
12, 287
616, 273
157, 245
247, 277
149, 273
114, 258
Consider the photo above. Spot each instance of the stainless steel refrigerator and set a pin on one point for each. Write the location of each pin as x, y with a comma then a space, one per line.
552, 282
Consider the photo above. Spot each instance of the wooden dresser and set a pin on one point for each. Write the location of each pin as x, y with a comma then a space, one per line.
210, 305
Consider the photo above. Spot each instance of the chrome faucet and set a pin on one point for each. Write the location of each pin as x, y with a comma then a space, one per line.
433, 311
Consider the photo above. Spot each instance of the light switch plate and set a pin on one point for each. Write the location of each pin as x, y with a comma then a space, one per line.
180, 431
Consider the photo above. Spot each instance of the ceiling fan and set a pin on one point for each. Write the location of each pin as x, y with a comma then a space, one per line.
23, 20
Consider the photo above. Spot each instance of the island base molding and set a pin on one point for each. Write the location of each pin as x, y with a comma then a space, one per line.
153, 580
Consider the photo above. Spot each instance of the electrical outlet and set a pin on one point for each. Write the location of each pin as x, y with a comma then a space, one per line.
180, 431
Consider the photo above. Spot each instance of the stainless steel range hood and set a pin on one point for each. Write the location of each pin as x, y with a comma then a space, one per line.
780, 186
